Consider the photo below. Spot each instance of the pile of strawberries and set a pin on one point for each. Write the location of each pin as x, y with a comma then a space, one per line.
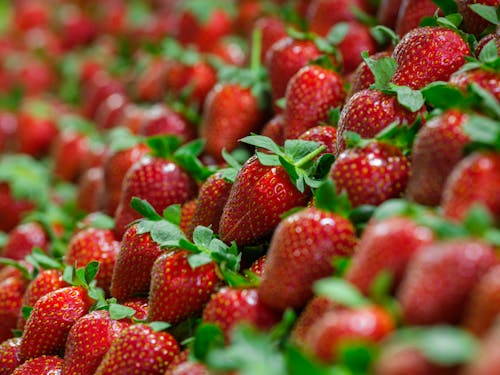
250, 187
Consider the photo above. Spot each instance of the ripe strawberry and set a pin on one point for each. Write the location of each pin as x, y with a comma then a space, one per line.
310, 95
274, 129
386, 245
141, 349
91, 190
181, 365
486, 79
257, 267
149, 83
110, 112
94, 244
23, 238
323, 134
473, 23
411, 12
44, 364
312, 236
387, 13
474, 180
322, 15
15, 208
161, 119
272, 29
487, 361
140, 305
423, 58
363, 78
230, 306
96, 90
9, 355
187, 212
371, 173
178, 290
440, 278
327, 334
482, 308
89, 340
437, 149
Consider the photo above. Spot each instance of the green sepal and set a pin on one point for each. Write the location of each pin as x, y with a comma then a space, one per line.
4, 238
121, 138
326, 198
187, 157
41, 260
118, 312
143, 207
488, 12
99, 220
483, 132
24, 271
281, 331
443, 96
163, 146
341, 265
299, 363
340, 291
159, 326
413, 100
337, 33
203, 9
231, 171
26, 312
357, 356
478, 220
384, 35
363, 17
447, 6
383, 70
173, 214
11, 101
207, 338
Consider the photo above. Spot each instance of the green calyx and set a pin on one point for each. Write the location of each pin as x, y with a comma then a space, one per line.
488, 59
233, 167
172, 50
299, 158
121, 138
203, 9
327, 199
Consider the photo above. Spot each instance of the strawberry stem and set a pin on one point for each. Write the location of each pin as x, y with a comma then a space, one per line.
306, 159
256, 49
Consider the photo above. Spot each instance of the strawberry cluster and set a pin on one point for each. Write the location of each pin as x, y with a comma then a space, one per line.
277, 187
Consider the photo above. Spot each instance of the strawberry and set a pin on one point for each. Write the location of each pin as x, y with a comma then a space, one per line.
372, 172
9, 355
440, 278
274, 129
90, 190
140, 348
388, 12
327, 335
312, 236
422, 58
386, 245
110, 112
231, 306
482, 309
487, 360
362, 78
94, 244
257, 267
310, 95
322, 15
163, 120
437, 149
488, 80
272, 29
160, 178
181, 365
411, 12
263, 190
148, 85
23, 238
473, 22
88, 341
96, 90
43, 365
187, 211
473, 180
140, 305
15, 207
11, 295
323, 134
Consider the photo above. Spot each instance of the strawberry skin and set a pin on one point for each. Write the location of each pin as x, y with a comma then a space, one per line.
11, 294
51, 319
386, 245
91, 190
323, 134
274, 129
88, 341
488, 80
370, 111
327, 333
187, 211
259, 195
23, 238
428, 54
388, 12
372, 174
362, 78
132, 270
45, 364
474, 180
310, 95
411, 13
311, 237
357, 40
177, 290
141, 350
437, 149
159, 181
212, 198
94, 244
15, 208
9, 355
440, 278
473, 23
324, 14
230, 113
483, 307
163, 120
229, 307
272, 29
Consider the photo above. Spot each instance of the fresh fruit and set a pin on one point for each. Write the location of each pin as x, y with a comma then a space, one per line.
43, 365
9, 355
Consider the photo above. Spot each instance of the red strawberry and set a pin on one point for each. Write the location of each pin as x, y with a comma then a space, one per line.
440, 278
96, 90
388, 12
69, 149
230, 306
257, 267
473, 23
323, 134
111, 111
482, 308
94, 244
273, 29
363, 78
328, 333
23, 238
422, 57
51, 319
187, 211
437, 149
11, 294
43, 365
486, 79
140, 305
181, 365
474, 180
12, 209
386, 245
178, 290
487, 360
274, 129
149, 84
162, 120
88, 341
371, 173
91, 189
312, 236
9, 355
411, 12
311, 93
141, 349
324, 14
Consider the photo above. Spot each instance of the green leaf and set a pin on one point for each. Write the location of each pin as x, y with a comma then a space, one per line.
26, 312
478, 220
163, 146
173, 214
448, 6
487, 12
202, 236
451, 21
337, 33
79, 279
143, 207
340, 291
281, 331
68, 274
91, 271
341, 264
207, 338
411, 99
382, 69
489, 101
24, 271
118, 312
159, 326
262, 142
489, 53
297, 149
482, 130
383, 35
44, 260
357, 356
381, 286
164, 233
269, 160
198, 260
442, 95
121, 138
299, 363
230, 160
